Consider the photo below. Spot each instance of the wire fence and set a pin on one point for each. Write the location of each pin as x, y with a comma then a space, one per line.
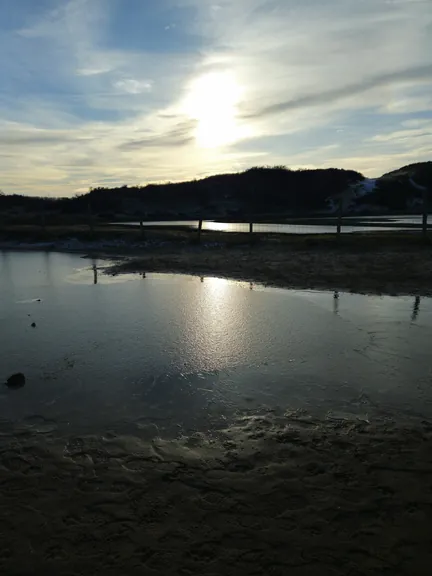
324, 225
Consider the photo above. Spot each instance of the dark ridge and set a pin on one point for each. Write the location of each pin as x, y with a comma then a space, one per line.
262, 192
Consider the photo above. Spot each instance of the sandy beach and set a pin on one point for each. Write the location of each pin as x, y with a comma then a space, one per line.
267, 495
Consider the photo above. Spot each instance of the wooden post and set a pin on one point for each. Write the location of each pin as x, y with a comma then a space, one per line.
416, 309
200, 224
425, 212
339, 220
251, 228
335, 302
425, 195
141, 228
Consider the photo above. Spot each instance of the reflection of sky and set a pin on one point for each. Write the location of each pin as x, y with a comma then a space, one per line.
217, 299
97, 91
113, 350
283, 228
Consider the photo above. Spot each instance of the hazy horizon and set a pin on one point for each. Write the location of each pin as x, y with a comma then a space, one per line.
113, 92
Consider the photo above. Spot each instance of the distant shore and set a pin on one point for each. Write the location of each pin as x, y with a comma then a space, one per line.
392, 263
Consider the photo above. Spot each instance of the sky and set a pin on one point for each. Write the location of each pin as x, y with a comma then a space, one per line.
114, 92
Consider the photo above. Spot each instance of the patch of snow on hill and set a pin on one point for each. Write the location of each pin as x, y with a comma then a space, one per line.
353, 192
363, 188
417, 186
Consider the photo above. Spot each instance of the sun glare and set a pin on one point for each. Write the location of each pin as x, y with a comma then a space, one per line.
212, 102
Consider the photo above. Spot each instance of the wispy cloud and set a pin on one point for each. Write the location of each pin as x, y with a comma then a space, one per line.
133, 86
181, 135
411, 75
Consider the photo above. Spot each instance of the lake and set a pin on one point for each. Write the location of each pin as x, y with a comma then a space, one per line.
185, 353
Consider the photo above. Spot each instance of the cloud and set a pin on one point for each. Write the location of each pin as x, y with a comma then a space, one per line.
181, 135
412, 75
418, 135
133, 86
31, 137
92, 71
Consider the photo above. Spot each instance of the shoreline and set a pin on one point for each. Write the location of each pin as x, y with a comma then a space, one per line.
385, 270
379, 272
391, 264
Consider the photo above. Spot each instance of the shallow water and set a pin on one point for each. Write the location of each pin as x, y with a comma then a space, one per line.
185, 353
350, 224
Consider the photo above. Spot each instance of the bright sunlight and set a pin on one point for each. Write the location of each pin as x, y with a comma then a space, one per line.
212, 101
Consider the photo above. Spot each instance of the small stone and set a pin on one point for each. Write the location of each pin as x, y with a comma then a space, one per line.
16, 380
33, 324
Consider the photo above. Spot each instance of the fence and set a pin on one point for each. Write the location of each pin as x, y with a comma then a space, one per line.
324, 225
331, 225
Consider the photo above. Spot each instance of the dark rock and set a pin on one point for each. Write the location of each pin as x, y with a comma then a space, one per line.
33, 324
16, 380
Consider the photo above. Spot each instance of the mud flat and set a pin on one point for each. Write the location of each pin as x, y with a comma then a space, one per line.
379, 271
269, 494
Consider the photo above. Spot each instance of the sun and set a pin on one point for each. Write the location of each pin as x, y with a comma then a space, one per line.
212, 101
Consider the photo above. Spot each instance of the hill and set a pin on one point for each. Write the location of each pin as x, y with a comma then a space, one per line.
260, 192
400, 190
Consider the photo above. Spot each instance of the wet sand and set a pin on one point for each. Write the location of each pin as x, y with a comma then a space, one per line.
270, 495
395, 269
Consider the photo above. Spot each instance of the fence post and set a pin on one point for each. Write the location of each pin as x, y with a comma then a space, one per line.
251, 228
141, 227
425, 211
416, 309
200, 224
339, 219
95, 273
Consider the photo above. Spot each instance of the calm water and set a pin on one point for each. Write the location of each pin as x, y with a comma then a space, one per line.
393, 223
186, 353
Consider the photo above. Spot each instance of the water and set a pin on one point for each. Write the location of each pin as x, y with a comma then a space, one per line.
350, 224
185, 353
